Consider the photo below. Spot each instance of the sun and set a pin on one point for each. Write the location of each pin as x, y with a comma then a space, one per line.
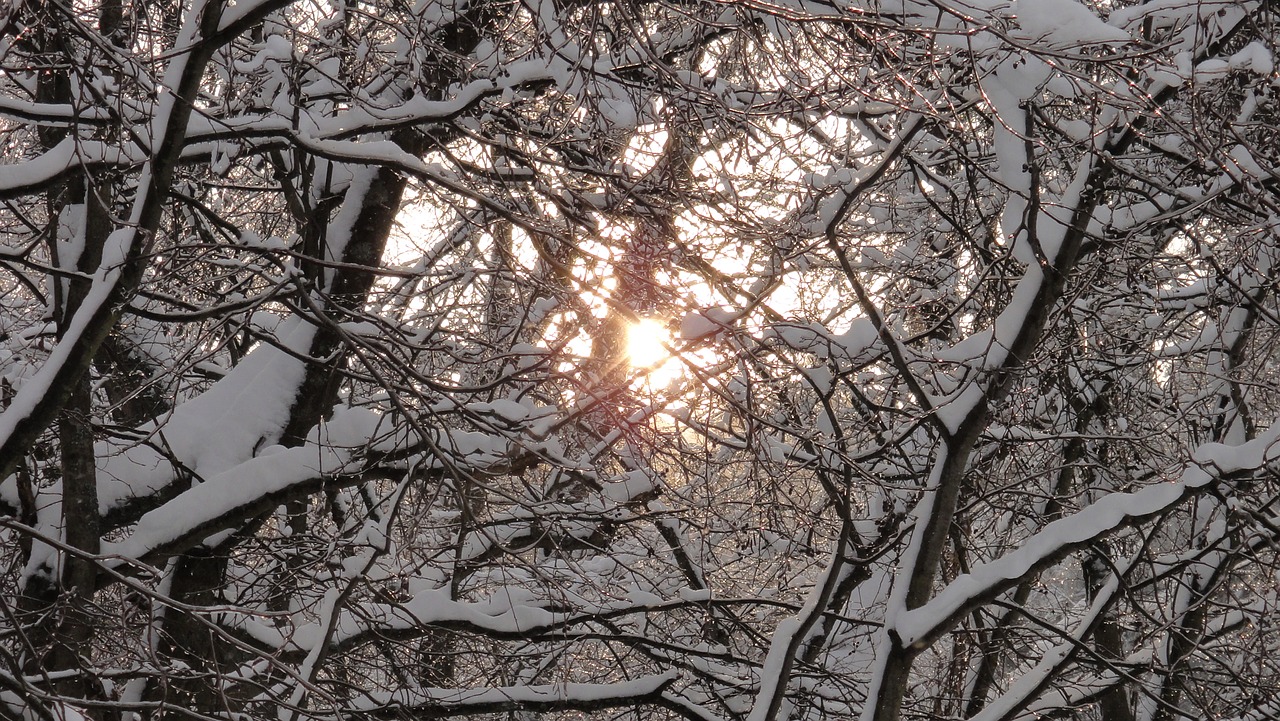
646, 344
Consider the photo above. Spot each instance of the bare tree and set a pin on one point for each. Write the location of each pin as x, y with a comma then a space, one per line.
325, 393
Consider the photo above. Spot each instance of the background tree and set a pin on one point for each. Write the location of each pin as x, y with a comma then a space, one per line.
324, 394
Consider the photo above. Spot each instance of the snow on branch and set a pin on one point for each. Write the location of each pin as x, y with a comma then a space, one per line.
433, 702
1211, 464
68, 155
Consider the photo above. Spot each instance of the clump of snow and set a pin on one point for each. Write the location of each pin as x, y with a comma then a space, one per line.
1212, 69
478, 697
251, 403
972, 349
527, 356
632, 486
706, 322
1245, 165
854, 344
616, 110
506, 409
361, 328
1254, 58
223, 496
348, 428
694, 595
1064, 23
953, 410
860, 337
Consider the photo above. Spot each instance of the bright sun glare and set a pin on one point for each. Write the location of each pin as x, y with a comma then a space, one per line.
645, 344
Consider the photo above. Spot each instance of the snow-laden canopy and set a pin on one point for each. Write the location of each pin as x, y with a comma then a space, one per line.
324, 394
